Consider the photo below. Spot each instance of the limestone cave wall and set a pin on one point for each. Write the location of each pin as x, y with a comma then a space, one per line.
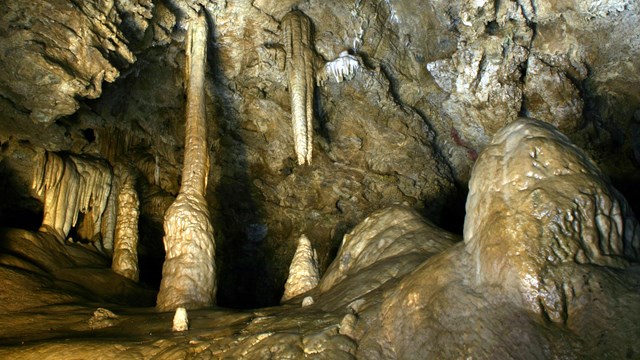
397, 99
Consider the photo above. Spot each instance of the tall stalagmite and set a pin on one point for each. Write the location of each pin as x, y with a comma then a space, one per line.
125, 250
188, 273
300, 71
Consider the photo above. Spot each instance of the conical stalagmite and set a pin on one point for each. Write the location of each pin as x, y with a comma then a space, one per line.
303, 272
188, 273
300, 72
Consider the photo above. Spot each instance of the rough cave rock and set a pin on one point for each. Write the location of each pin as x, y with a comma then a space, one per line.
144, 168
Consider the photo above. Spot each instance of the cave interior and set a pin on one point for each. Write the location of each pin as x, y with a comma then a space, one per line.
319, 179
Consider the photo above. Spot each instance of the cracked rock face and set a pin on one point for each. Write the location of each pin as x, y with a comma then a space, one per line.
55, 52
406, 97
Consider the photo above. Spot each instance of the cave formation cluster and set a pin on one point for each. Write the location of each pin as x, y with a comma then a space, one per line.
343, 179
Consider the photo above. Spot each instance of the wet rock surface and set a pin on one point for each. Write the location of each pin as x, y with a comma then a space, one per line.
520, 285
405, 127
407, 96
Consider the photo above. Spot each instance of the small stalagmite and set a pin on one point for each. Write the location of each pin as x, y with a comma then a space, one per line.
180, 320
188, 273
303, 272
125, 253
300, 72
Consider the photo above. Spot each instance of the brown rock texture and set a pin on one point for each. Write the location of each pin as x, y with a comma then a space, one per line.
406, 105
54, 52
71, 186
303, 272
298, 44
429, 85
549, 255
538, 206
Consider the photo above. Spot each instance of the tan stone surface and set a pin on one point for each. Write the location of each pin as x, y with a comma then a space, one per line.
298, 44
408, 96
303, 272
125, 247
189, 273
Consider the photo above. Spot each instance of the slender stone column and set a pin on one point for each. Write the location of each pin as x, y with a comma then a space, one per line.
188, 273
300, 71
125, 252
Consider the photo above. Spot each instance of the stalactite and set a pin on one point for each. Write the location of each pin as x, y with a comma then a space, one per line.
303, 273
72, 185
300, 72
344, 67
188, 273
125, 252
95, 187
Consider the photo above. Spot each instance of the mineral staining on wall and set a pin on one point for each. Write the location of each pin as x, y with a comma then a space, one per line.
300, 72
72, 185
125, 252
188, 273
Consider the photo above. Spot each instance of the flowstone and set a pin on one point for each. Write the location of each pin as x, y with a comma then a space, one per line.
71, 185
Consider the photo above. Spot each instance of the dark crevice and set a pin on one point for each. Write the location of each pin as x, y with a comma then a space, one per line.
244, 279
453, 203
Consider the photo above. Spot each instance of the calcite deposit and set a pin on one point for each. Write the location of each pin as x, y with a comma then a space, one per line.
72, 186
189, 273
298, 43
125, 248
464, 173
303, 272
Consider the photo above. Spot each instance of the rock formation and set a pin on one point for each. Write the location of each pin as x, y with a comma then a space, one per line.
125, 248
413, 102
386, 233
298, 42
72, 186
188, 273
180, 320
344, 67
303, 272
70, 49
539, 213
549, 248
548, 268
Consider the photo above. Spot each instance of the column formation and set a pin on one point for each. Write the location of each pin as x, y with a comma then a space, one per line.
188, 273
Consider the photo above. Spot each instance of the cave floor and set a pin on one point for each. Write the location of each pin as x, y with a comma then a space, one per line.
71, 331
